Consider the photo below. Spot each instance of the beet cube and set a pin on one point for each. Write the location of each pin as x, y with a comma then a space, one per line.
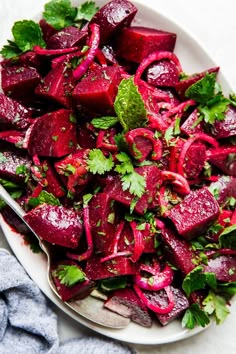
76, 292
53, 134
224, 160
103, 219
95, 270
195, 160
126, 303
136, 43
58, 85
19, 81
153, 180
224, 268
68, 37
12, 114
178, 251
56, 224
160, 298
100, 87
190, 126
195, 214
9, 161
163, 73
227, 127
54, 185
113, 16
47, 29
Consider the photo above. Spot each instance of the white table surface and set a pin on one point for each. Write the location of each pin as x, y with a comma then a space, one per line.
214, 24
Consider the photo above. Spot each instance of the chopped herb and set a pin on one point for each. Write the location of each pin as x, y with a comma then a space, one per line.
44, 197
203, 90
193, 316
72, 118
196, 280
134, 183
69, 169
104, 122
126, 165
216, 305
59, 13
69, 275
98, 163
10, 50
129, 106
55, 137
227, 238
86, 11
111, 218
111, 284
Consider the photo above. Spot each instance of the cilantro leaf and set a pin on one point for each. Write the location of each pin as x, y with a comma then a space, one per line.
227, 238
69, 275
214, 110
126, 165
10, 50
134, 182
104, 122
202, 90
98, 163
86, 11
129, 106
193, 316
59, 13
196, 280
44, 197
111, 284
216, 305
27, 34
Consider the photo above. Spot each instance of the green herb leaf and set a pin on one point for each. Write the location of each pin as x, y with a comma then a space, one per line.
134, 182
216, 304
126, 165
59, 13
193, 316
214, 110
111, 284
104, 122
27, 34
129, 106
98, 163
10, 50
227, 238
86, 11
196, 280
69, 275
202, 90
87, 198
44, 197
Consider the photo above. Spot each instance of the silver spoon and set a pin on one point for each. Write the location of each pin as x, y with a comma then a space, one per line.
91, 307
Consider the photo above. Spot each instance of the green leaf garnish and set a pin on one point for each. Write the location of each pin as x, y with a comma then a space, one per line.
202, 90
59, 13
97, 162
129, 106
10, 50
227, 238
86, 11
44, 197
196, 280
104, 122
216, 305
69, 275
27, 34
193, 316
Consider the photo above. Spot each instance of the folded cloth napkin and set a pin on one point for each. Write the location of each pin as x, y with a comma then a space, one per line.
28, 324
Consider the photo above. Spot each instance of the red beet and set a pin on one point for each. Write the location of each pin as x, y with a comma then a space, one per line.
195, 160
19, 81
47, 29
56, 224
9, 162
183, 85
163, 73
136, 43
190, 126
54, 184
12, 114
223, 189
126, 303
224, 268
53, 135
95, 270
58, 85
76, 292
224, 160
100, 87
113, 16
147, 201
227, 127
195, 214
160, 298
178, 251
68, 37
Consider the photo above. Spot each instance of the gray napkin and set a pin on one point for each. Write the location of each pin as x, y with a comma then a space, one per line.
28, 324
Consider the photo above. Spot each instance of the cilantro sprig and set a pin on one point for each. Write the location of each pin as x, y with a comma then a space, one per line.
197, 279
44, 197
69, 275
98, 163
215, 305
212, 103
193, 316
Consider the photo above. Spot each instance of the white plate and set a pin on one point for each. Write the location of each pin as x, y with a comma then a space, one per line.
193, 59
